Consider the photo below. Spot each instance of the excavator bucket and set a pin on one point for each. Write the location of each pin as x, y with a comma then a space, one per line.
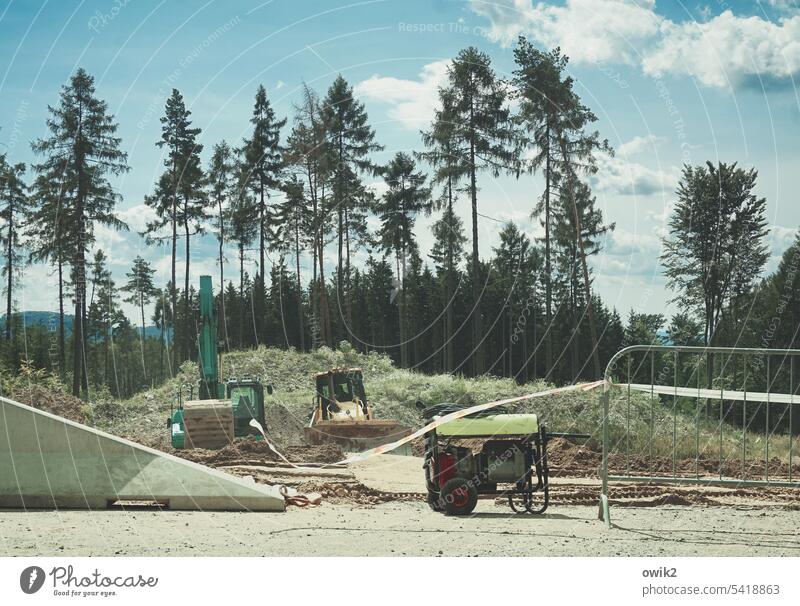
342, 416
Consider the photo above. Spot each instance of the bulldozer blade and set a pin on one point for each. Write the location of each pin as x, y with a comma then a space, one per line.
356, 436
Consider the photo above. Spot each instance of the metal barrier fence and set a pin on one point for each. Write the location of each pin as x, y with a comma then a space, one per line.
699, 415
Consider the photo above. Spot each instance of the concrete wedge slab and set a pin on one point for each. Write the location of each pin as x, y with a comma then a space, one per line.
50, 462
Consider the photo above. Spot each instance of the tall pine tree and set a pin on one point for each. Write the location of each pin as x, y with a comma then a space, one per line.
14, 210
262, 163
351, 139
141, 290
482, 135
83, 143
405, 197
221, 184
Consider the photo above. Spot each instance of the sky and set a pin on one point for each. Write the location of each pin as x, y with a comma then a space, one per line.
671, 83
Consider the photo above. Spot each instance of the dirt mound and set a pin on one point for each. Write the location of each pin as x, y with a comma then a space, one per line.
285, 428
55, 402
256, 451
355, 492
567, 458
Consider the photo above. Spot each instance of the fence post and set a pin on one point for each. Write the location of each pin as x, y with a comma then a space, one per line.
604, 513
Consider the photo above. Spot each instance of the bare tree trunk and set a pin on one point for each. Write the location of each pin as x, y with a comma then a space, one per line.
586, 285
347, 286
241, 294
261, 280
222, 275
477, 358
62, 348
141, 308
299, 284
187, 319
548, 355
9, 269
448, 280
401, 275
77, 322
324, 318
174, 286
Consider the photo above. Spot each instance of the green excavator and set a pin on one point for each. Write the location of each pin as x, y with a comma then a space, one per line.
223, 410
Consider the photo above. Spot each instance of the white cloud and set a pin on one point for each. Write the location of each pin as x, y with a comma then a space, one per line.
112, 242
412, 101
784, 5
587, 31
378, 188
728, 50
137, 217
723, 51
782, 237
639, 144
629, 253
617, 175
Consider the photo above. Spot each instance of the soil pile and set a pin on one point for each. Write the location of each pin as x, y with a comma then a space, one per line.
574, 460
354, 492
285, 428
568, 459
254, 452
55, 402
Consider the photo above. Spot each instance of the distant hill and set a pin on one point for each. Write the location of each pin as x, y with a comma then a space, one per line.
49, 320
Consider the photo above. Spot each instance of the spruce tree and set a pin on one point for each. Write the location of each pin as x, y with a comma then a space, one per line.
141, 290
103, 316
221, 180
449, 169
576, 213
13, 214
554, 122
310, 156
162, 319
242, 231
49, 238
544, 94
447, 253
351, 140
294, 220
262, 163
515, 267
83, 144
577, 155
406, 196
482, 135
192, 216
178, 201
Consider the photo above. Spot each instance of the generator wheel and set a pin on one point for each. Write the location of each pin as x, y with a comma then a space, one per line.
459, 497
434, 501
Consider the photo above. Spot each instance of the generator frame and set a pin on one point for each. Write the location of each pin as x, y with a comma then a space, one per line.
444, 464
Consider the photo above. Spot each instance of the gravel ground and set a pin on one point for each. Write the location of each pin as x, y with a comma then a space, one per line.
405, 528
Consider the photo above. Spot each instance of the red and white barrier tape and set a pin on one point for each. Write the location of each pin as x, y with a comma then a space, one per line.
383, 449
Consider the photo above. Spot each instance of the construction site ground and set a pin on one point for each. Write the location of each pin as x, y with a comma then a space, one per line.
377, 507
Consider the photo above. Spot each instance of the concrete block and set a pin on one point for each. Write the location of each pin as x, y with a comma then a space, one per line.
50, 462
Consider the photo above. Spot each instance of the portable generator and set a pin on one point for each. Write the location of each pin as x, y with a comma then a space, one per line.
489, 453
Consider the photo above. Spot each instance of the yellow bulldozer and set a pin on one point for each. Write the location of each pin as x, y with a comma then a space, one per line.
342, 415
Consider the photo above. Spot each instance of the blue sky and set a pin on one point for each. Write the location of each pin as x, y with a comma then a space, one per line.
670, 82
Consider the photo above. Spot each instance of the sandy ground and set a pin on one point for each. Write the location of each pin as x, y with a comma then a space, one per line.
404, 528
377, 508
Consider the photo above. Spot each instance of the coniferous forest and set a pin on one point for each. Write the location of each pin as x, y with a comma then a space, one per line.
299, 190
